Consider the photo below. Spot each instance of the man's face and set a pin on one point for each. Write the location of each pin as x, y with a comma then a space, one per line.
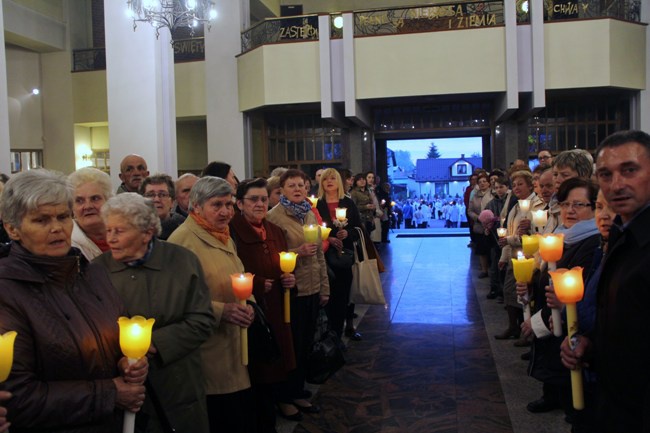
624, 176
545, 157
133, 170
183, 188
546, 186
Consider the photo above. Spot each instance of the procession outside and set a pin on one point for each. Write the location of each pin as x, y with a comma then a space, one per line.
428, 179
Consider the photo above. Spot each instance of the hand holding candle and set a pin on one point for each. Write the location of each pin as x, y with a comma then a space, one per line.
551, 248
523, 269
287, 265
569, 289
242, 287
135, 340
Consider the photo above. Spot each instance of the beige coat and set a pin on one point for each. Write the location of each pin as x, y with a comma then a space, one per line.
513, 219
311, 272
221, 353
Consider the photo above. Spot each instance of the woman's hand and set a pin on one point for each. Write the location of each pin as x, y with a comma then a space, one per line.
551, 298
268, 285
335, 242
4, 425
324, 299
238, 314
307, 249
526, 329
503, 242
129, 396
524, 227
134, 374
288, 280
522, 289
341, 234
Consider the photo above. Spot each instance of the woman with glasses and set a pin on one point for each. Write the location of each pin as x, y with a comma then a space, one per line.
577, 200
159, 188
259, 244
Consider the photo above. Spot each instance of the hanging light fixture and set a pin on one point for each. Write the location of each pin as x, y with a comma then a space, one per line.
172, 14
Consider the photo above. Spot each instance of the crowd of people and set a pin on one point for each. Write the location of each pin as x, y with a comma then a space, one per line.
600, 207
75, 257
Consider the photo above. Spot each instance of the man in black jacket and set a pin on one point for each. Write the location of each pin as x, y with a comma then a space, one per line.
619, 348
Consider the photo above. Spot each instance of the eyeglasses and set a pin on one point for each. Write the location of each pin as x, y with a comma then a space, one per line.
157, 194
256, 198
577, 205
544, 157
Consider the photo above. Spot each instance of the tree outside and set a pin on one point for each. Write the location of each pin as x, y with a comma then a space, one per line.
433, 151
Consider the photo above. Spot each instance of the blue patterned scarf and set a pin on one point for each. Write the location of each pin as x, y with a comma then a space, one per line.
299, 210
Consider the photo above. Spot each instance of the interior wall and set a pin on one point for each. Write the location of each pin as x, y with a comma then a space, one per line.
192, 145
25, 112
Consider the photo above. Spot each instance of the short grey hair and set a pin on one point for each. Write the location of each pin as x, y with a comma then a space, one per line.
92, 175
208, 187
576, 160
28, 190
139, 211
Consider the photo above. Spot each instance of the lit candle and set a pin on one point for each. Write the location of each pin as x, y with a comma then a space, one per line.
287, 265
6, 353
392, 203
341, 213
313, 200
324, 232
242, 287
569, 289
311, 233
502, 232
523, 269
530, 244
524, 205
540, 218
135, 340
550, 249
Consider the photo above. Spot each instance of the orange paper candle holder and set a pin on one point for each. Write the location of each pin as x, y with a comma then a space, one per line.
551, 247
242, 285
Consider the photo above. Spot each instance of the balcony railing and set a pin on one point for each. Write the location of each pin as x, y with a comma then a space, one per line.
94, 59
274, 30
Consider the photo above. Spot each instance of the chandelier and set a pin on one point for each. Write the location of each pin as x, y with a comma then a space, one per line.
172, 14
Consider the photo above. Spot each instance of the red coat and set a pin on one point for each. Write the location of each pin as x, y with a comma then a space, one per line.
262, 259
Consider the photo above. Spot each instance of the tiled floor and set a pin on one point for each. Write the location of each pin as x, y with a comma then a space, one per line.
425, 363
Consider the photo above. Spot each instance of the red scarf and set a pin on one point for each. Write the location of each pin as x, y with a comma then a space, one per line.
221, 235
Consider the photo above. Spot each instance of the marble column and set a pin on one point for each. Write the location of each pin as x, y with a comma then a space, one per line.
5, 156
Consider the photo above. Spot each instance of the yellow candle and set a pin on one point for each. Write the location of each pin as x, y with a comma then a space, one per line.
540, 218
311, 233
242, 287
313, 200
288, 261
551, 247
569, 289
287, 265
6, 353
502, 232
135, 336
530, 244
523, 268
341, 213
324, 232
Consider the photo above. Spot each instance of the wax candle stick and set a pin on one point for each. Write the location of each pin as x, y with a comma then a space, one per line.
242, 287
135, 340
287, 265
569, 289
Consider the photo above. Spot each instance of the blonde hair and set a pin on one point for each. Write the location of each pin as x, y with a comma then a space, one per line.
339, 183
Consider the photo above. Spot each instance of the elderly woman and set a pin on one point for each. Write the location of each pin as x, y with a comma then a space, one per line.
274, 190
293, 212
331, 195
517, 224
68, 374
163, 281
577, 200
259, 244
159, 188
92, 188
205, 232
476, 205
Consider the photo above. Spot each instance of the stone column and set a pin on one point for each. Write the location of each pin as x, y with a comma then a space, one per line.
140, 88
5, 156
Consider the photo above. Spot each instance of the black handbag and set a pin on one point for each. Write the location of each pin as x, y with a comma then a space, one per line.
343, 259
326, 356
262, 346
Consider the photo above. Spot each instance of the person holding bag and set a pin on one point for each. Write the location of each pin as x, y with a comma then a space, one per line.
341, 239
